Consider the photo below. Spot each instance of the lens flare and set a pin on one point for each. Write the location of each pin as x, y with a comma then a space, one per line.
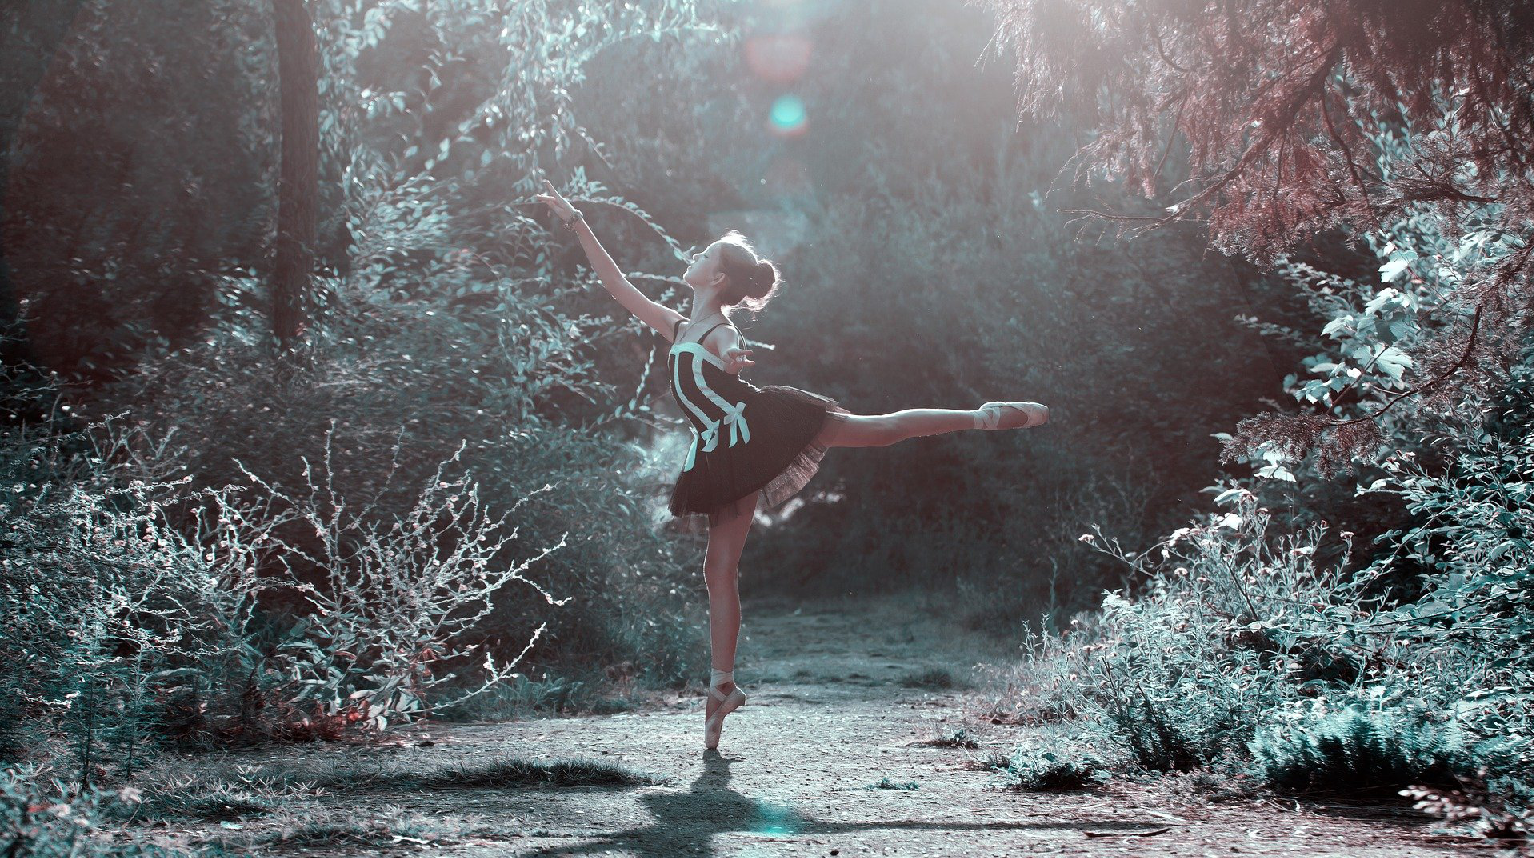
788, 118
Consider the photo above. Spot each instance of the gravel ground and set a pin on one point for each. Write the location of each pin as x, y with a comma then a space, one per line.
833, 711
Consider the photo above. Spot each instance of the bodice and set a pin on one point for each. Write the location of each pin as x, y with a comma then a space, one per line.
713, 399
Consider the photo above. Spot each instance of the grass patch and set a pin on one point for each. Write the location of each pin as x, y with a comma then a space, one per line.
958, 738
219, 795
932, 677
1037, 769
523, 697
226, 793
886, 783
509, 773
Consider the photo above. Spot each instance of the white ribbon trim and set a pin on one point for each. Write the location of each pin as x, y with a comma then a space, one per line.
734, 414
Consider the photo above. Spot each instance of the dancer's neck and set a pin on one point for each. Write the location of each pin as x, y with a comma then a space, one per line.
704, 310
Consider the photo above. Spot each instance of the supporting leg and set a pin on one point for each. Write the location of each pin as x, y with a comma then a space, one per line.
721, 572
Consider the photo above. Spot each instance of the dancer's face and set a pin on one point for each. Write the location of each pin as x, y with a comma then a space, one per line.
704, 269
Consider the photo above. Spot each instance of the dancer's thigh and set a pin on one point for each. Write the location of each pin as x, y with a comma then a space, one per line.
856, 430
727, 536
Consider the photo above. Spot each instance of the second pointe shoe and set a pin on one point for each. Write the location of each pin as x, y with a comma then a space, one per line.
1011, 415
727, 704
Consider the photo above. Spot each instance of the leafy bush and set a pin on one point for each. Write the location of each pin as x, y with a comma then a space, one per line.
1241, 651
135, 612
117, 624
55, 823
1359, 751
1065, 766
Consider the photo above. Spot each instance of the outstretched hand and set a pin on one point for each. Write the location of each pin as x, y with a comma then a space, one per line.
736, 359
556, 203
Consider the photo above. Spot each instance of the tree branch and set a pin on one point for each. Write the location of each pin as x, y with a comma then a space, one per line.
1475, 327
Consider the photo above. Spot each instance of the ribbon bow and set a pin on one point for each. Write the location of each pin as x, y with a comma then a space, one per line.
708, 439
735, 415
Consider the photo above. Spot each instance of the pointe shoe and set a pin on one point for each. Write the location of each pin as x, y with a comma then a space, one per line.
1011, 415
727, 704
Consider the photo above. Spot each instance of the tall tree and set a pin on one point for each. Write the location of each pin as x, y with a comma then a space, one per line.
1280, 105
298, 185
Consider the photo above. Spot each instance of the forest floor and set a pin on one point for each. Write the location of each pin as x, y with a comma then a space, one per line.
843, 697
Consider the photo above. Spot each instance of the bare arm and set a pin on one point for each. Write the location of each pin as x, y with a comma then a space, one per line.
655, 315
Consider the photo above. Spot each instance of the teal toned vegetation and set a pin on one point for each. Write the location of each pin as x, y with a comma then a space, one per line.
1351, 616
413, 463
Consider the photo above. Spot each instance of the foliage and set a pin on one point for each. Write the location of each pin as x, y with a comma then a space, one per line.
1242, 651
55, 823
116, 623
385, 603
1470, 533
1366, 396
137, 176
1357, 751
1278, 98
1310, 116
1035, 767
126, 626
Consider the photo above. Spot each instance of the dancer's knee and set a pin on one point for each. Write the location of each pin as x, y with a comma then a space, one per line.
858, 430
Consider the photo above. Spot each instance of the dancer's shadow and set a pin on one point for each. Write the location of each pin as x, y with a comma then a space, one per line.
685, 823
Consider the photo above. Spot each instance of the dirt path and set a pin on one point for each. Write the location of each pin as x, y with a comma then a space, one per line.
835, 706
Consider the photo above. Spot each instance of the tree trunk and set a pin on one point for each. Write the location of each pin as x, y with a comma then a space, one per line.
298, 185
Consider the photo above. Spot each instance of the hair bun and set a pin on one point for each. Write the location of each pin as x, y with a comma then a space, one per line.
764, 275
752, 279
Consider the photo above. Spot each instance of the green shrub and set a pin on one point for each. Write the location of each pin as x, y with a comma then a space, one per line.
119, 628
1359, 751
1064, 766
53, 822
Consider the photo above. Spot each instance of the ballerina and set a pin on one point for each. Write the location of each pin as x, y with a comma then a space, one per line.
749, 443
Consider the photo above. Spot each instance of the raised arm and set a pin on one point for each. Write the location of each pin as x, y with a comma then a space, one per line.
655, 315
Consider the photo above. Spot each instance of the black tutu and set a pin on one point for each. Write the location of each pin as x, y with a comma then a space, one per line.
778, 462
746, 439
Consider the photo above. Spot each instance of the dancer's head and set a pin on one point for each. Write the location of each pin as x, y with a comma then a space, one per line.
732, 265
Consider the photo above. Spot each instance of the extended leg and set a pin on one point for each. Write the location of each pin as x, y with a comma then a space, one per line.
881, 430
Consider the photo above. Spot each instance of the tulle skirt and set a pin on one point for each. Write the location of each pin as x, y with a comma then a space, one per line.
774, 465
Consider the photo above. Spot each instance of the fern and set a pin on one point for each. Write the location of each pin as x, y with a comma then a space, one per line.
1357, 751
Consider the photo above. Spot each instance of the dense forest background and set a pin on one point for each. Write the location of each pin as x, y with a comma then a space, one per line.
314, 427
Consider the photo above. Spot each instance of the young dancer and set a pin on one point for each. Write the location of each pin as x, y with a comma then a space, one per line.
750, 442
